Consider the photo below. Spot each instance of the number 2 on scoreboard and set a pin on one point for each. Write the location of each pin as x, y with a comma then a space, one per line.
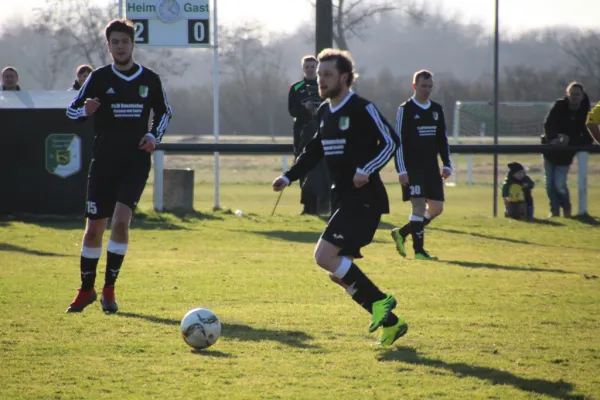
141, 31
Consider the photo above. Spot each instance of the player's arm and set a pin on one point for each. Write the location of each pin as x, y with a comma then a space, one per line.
310, 156
593, 123
161, 109
88, 93
387, 141
442, 143
400, 130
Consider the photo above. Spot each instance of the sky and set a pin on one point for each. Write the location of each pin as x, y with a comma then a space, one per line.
286, 15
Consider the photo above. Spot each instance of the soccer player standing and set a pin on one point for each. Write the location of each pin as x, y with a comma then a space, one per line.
421, 125
121, 95
357, 142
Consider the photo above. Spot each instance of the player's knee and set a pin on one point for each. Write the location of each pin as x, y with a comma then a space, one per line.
435, 210
418, 207
120, 226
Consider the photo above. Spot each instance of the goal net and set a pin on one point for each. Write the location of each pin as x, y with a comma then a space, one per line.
517, 121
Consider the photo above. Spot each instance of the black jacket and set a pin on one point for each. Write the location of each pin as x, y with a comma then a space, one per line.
301, 92
562, 120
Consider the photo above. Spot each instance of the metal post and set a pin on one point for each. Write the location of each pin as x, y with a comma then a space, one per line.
159, 166
216, 99
324, 25
496, 97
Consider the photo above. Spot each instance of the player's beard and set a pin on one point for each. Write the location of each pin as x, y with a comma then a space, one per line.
331, 93
124, 61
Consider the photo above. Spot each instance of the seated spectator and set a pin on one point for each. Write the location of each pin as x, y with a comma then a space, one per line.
83, 71
10, 79
516, 191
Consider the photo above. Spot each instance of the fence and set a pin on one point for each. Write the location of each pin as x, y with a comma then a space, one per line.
286, 149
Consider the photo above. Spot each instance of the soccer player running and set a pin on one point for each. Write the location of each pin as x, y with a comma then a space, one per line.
421, 126
356, 142
121, 96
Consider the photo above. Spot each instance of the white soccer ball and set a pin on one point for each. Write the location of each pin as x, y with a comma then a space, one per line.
200, 328
239, 213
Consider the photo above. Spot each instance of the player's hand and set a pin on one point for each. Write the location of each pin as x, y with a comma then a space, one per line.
148, 143
91, 105
360, 179
403, 179
446, 173
279, 184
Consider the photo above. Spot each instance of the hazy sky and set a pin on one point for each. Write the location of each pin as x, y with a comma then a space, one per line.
286, 15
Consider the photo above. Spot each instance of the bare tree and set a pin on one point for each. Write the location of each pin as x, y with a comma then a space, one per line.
254, 76
585, 51
78, 29
351, 17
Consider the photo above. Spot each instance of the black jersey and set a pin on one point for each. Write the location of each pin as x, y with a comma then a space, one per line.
126, 99
353, 137
422, 130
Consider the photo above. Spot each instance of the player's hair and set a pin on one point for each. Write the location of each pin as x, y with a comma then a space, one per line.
122, 25
308, 58
84, 68
422, 74
575, 84
9, 68
343, 62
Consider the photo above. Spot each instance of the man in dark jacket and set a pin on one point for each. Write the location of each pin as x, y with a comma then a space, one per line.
303, 102
564, 125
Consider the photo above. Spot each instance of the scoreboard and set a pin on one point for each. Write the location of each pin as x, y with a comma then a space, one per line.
170, 23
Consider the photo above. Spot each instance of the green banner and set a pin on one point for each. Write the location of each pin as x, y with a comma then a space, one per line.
63, 154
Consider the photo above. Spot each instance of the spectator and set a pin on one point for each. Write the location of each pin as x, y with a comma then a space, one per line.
83, 71
303, 102
516, 191
10, 79
564, 125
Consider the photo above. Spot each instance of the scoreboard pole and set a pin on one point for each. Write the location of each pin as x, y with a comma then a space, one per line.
217, 205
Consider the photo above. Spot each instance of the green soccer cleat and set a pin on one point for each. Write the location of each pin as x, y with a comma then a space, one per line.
381, 311
425, 256
400, 240
389, 334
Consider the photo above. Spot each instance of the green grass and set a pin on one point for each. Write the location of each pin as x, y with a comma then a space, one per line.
507, 314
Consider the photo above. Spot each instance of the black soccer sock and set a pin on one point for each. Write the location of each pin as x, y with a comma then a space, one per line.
406, 229
417, 232
114, 260
88, 265
358, 284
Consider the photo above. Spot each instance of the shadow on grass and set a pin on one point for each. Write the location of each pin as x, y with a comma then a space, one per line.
587, 219
291, 236
558, 390
241, 332
19, 249
471, 264
502, 239
140, 220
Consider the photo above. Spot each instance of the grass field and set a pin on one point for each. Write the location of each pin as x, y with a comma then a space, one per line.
512, 310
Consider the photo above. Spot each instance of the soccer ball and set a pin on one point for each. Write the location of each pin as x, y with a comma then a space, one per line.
200, 328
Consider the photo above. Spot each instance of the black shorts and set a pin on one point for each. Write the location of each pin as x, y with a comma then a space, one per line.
111, 181
351, 228
424, 183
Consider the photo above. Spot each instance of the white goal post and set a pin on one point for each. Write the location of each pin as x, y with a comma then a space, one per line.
518, 122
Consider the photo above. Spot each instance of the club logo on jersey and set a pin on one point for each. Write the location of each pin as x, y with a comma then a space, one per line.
144, 91
344, 123
435, 115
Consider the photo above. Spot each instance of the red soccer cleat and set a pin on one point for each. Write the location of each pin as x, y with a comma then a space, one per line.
82, 300
108, 301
